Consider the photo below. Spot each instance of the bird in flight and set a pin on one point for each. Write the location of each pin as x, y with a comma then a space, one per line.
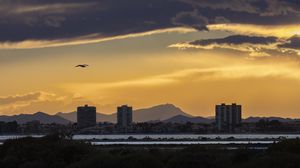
82, 66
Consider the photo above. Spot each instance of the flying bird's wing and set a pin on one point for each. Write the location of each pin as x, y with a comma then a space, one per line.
81, 66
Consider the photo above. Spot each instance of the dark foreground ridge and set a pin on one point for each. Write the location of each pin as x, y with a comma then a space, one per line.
60, 152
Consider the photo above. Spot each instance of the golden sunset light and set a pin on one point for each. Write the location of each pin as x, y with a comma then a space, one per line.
193, 61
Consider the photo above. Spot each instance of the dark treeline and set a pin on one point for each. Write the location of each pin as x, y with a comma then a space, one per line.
36, 127
9, 127
60, 152
33, 127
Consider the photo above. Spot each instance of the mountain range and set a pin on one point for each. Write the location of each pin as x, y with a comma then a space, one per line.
256, 119
39, 116
167, 113
156, 113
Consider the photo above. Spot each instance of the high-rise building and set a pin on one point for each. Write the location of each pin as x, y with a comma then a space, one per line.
86, 116
124, 116
228, 117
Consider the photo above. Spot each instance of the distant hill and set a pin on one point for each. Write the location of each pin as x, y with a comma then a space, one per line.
184, 119
160, 112
256, 119
39, 116
72, 116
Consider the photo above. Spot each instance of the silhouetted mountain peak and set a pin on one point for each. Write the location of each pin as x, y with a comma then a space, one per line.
41, 114
166, 106
169, 105
159, 112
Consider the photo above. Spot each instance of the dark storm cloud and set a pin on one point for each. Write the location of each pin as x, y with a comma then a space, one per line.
67, 19
236, 40
253, 45
64, 19
293, 43
191, 19
256, 46
261, 7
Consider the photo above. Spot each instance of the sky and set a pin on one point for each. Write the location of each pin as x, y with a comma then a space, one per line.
191, 53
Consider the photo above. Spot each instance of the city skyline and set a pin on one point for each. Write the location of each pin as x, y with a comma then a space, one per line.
194, 54
162, 109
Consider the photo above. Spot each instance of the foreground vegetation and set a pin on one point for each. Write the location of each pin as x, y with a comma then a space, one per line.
59, 152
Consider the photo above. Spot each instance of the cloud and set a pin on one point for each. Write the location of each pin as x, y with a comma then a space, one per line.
256, 46
54, 21
41, 101
81, 18
93, 38
234, 5
29, 97
293, 43
237, 39
11, 104
261, 7
20, 98
280, 31
191, 19
62, 20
